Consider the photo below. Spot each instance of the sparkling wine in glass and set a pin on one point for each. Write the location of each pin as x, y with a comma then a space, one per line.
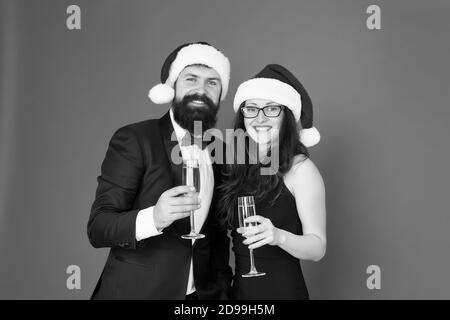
246, 209
191, 177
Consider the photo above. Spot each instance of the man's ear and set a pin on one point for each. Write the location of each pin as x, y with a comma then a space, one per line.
175, 89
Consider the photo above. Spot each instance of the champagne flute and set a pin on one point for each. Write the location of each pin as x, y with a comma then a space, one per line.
191, 177
246, 209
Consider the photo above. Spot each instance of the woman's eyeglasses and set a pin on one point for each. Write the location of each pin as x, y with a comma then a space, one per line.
269, 111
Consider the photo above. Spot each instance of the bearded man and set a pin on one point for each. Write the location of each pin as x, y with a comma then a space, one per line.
141, 208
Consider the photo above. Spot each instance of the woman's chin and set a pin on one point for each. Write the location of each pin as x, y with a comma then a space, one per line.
261, 139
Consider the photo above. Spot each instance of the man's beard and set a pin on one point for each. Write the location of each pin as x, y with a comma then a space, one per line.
185, 115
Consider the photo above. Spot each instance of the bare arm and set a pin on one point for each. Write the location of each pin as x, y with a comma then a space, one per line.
308, 188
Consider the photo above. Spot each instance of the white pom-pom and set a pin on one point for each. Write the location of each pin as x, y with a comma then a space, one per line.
161, 93
309, 137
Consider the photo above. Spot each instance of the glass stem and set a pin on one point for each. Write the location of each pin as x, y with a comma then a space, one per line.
252, 262
192, 222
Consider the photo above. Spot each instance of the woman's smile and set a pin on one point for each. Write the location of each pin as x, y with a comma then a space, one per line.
262, 128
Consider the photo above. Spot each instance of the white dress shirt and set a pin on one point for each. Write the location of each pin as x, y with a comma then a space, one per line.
145, 225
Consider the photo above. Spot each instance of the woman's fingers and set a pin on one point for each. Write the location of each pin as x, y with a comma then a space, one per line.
260, 235
260, 243
255, 218
265, 224
257, 237
252, 230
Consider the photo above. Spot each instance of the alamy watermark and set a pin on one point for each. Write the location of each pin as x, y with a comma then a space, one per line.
373, 22
73, 282
374, 280
73, 22
238, 145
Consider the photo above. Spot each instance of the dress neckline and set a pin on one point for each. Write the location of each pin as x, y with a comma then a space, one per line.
288, 190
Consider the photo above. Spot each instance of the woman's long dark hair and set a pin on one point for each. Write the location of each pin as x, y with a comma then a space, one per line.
246, 179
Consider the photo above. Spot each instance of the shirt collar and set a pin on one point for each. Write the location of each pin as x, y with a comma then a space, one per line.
179, 131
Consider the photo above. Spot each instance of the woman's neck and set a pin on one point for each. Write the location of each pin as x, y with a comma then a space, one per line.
263, 150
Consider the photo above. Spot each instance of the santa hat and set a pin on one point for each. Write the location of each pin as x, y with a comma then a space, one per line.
278, 84
186, 55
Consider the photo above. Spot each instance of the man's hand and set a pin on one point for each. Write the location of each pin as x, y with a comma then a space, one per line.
171, 206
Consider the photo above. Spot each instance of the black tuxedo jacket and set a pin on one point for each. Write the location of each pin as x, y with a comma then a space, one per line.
136, 170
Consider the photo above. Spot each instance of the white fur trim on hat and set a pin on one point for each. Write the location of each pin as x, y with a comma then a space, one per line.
196, 53
161, 93
269, 89
309, 137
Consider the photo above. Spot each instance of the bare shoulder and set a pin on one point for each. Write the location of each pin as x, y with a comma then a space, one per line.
304, 174
302, 165
299, 158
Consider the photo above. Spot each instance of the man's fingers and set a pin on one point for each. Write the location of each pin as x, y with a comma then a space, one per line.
191, 194
181, 201
184, 208
179, 215
176, 191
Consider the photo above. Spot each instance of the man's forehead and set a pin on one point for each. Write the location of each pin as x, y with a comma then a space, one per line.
200, 70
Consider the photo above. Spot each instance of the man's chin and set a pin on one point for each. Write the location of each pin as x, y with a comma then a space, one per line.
197, 116
194, 112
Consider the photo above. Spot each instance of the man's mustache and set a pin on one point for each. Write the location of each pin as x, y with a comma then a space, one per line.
198, 97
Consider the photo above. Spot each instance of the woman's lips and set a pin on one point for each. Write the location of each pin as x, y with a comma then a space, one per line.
262, 128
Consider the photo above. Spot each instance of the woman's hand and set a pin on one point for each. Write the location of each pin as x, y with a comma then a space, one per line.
264, 233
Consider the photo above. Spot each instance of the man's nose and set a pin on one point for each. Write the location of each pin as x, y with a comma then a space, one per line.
201, 89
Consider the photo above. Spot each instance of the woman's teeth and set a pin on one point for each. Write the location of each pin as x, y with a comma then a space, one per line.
262, 128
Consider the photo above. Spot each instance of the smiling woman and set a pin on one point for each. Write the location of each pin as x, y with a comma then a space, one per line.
262, 119
290, 204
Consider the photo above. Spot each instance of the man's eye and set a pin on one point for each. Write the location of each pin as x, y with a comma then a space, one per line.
213, 83
190, 79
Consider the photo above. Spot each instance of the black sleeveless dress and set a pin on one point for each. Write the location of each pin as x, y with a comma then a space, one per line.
284, 277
